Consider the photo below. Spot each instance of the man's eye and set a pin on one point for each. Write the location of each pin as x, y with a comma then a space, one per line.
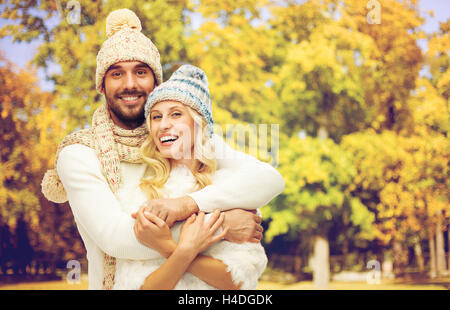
116, 74
141, 72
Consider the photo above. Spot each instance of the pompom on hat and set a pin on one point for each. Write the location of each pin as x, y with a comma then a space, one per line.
188, 85
126, 43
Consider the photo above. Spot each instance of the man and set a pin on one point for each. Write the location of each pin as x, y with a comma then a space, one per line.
93, 165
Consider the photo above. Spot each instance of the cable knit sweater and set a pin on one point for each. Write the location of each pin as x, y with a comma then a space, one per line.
245, 262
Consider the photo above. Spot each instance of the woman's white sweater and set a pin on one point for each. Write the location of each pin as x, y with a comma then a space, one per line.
245, 262
241, 181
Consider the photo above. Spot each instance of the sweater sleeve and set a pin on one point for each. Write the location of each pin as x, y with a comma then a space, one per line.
95, 207
241, 181
246, 262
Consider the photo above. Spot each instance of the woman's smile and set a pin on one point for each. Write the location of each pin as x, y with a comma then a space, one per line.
168, 139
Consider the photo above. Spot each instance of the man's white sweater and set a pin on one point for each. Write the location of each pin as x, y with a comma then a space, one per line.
105, 227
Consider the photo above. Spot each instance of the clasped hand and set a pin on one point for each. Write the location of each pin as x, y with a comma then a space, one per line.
196, 234
241, 225
171, 210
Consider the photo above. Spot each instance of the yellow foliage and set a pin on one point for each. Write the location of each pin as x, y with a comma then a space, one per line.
31, 131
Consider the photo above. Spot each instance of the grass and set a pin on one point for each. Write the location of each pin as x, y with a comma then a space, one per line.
308, 285
263, 285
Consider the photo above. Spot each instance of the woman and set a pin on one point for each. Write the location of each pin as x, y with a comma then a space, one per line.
190, 255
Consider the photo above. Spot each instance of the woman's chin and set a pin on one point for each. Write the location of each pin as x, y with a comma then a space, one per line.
173, 154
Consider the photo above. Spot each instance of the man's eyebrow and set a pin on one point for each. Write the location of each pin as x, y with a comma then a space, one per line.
113, 67
142, 65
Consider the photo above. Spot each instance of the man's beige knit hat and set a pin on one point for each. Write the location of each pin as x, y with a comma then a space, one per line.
126, 43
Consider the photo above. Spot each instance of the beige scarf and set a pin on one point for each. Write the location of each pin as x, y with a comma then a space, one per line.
112, 145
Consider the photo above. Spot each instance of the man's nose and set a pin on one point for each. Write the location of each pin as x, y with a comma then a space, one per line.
130, 81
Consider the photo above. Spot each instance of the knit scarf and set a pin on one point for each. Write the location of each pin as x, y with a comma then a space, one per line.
112, 145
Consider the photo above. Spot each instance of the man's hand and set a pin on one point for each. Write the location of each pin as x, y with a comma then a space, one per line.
171, 210
243, 226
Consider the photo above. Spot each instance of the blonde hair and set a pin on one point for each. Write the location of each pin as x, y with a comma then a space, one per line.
159, 167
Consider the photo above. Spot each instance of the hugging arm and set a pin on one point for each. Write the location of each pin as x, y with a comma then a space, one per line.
241, 181
95, 207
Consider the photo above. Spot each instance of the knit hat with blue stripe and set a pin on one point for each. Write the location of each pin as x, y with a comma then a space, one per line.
188, 85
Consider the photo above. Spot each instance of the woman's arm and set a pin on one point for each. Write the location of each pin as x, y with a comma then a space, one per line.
206, 268
170, 272
196, 236
214, 272
211, 270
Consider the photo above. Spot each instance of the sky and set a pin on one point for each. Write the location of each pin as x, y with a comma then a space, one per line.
21, 53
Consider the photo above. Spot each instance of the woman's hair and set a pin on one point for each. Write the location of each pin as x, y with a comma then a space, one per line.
159, 166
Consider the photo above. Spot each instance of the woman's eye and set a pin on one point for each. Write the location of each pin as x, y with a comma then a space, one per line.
156, 116
176, 114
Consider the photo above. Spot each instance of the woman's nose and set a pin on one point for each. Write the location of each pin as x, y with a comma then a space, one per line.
165, 123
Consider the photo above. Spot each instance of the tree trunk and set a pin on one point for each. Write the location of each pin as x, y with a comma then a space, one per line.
321, 273
344, 254
399, 257
298, 262
432, 253
322, 133
418, 253
440, 249
448, 252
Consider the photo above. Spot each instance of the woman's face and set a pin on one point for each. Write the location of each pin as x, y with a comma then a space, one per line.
172, 129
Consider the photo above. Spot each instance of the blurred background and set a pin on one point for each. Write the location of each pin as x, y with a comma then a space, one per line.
360, 90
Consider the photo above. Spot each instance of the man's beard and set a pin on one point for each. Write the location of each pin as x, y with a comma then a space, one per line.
124, 114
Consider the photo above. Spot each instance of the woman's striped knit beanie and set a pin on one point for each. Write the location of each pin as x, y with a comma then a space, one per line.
188, 85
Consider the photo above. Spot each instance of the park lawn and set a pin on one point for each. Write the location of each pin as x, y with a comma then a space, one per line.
263, 285
308, 285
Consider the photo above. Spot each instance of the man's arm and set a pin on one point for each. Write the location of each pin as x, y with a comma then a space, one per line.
241, 181
95, 207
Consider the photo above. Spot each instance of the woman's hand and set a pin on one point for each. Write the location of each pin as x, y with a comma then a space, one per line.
197, 234
153, 232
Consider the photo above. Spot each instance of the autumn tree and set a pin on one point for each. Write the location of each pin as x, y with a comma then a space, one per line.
30, 131
318, 176
72, 45
374, 160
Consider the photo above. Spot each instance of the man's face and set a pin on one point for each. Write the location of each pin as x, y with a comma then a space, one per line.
126, 88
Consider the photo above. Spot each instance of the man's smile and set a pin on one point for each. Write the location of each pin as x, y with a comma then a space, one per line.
130, 99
